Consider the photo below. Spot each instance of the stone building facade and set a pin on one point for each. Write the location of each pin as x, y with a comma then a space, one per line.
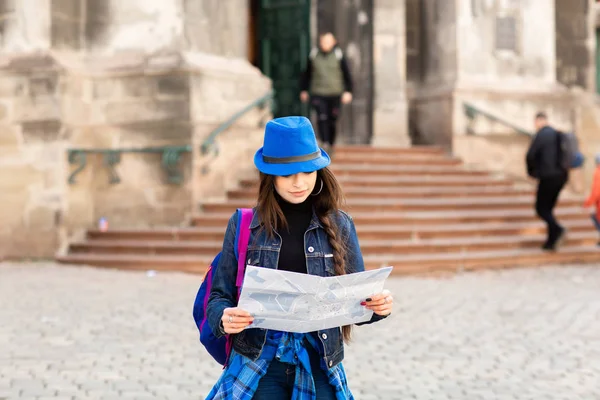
507, 58
77, 74
92, 74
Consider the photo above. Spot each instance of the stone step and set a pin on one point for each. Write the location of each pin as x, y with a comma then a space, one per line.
365, 231
432, 204
419, 264
161, 247
409, 181
470, 244
424, 264
250, 194
473, 230
195, 234
388, 150
395, 160
341, 170
417, 209
368, 247
422, 217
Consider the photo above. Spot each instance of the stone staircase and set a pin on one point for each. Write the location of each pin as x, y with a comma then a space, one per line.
416, 209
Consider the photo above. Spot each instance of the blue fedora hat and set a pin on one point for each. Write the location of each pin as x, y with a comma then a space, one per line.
290, 147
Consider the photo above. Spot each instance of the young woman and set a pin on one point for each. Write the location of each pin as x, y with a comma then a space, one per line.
297, 226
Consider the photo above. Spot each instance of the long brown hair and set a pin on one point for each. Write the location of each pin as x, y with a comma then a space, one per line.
326, 204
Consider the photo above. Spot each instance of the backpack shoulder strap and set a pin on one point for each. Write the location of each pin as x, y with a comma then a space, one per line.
338, 53
243, 236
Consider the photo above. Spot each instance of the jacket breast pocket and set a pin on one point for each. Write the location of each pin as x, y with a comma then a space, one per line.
253, 257
261, 257
329, 264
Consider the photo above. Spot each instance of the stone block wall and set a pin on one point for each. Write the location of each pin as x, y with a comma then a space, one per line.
48, 106
587, 126
66, 24
496, 147
515, 107
7, 19
431, 89
128, 107
217, 97
575, 43
205, 17
429, 120
502, 153
215, 174
503, 56
178, 104
440, 66
32, 147
111, 75
210, 26
506, 43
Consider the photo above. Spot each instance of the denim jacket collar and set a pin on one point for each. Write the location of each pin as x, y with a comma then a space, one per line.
315, 222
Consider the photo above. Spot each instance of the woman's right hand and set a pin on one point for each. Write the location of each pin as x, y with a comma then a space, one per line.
235, 320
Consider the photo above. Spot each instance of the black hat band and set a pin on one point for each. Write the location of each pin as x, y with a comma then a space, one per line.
292, 159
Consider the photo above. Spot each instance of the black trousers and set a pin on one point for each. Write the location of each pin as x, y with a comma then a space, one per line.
547, 194
328, 110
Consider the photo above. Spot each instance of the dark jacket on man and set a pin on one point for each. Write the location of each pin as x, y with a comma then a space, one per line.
543, 156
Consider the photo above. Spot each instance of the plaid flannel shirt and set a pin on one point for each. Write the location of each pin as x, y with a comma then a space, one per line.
240, 379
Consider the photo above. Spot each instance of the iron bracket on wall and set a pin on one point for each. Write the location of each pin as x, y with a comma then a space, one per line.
171, 156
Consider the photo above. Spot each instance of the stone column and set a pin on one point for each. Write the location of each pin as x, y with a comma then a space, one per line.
24, 25
575, 43
591, 23
67, 24
587, 126
390, 114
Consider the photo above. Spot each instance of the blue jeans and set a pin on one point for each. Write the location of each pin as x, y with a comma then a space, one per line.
278, 383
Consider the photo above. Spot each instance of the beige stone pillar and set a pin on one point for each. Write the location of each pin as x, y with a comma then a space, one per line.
25, 25
390, 114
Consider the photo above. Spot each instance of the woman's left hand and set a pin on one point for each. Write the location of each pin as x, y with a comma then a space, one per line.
381, 303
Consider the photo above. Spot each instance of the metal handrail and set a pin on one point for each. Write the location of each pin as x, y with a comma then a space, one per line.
261, 102
170, 154
472, 111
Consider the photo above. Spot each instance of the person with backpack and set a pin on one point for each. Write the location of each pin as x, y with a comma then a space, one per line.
593, 200
327, 78
546, 163
298, 226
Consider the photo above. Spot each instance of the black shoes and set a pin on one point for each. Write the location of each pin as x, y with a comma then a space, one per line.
555, 240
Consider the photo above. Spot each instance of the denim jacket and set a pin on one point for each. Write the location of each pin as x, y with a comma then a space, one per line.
264, 252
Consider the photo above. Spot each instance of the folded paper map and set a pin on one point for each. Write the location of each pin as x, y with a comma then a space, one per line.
293, 302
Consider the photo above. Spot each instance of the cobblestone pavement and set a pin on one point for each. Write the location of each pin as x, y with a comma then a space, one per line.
84, 333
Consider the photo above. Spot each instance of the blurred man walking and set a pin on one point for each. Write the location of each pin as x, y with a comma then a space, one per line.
327, 79
544, 164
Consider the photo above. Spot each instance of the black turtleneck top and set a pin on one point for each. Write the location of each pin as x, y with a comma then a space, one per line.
298, 216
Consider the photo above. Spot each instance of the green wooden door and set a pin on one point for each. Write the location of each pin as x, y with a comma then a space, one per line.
284, 35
